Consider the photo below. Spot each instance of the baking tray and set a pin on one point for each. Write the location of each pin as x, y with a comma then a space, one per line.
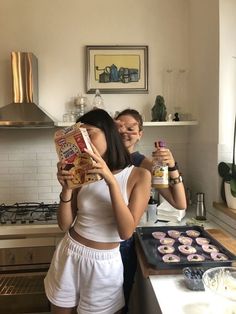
154, 258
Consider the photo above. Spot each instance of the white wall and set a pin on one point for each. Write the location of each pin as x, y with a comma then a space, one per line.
227, 104
204, 87
56, 31
227, 93
212, 91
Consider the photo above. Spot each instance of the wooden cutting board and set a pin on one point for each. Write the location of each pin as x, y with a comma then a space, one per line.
225, 239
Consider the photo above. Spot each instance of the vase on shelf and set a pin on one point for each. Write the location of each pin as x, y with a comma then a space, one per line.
230, 199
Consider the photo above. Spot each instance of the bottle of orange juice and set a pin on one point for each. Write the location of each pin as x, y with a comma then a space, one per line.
160, 175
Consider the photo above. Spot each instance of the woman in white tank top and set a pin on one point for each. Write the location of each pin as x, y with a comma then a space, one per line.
86, 273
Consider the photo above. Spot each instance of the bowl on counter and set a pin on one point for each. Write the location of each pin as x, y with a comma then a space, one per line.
193, 278
220, 284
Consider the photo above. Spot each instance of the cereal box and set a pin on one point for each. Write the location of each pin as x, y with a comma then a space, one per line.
70, 143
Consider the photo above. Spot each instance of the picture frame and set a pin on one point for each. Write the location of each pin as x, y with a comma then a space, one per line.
117, 69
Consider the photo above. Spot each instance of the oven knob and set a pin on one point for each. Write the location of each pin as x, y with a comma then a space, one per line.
29, 257
11, 258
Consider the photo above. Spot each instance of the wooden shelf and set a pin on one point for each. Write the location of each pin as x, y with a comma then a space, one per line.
146, 123
171, 123
226, 210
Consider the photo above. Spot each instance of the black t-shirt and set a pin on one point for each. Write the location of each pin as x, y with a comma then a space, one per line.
136, 159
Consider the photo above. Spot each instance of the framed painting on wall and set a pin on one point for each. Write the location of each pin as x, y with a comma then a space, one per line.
117, 69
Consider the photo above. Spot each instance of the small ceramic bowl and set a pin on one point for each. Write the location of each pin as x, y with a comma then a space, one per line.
193, 278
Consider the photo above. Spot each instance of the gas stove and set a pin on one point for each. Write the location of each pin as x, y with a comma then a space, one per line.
28, 213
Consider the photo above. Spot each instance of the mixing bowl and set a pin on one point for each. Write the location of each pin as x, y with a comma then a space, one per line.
220, 284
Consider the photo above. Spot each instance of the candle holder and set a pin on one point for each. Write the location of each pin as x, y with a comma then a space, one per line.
80, 104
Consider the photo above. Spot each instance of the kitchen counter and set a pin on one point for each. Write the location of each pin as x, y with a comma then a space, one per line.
24, 230
29, 235
167, 293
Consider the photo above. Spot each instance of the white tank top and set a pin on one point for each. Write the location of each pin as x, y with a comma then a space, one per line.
95, 217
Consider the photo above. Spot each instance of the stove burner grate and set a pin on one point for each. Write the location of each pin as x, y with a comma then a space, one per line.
27, 213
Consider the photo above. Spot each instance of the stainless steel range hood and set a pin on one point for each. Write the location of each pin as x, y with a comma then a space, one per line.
24, 111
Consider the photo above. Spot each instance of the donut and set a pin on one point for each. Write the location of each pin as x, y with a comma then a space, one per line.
185, 240
166, 249
167, 241
170, 258
216, 256
201, 241
187, 249
209, 248
173, 233
158, 235
195, 258
193, 233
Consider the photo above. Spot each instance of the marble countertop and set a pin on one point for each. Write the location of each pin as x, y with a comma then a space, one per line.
174, 297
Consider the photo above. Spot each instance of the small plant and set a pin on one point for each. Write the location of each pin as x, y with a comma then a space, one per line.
232, 180
228, 171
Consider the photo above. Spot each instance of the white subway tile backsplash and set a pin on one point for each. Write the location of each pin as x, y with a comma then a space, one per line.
29, 176
11, 163
44, 163
4, 171
49, 196
28, 164
3, 156
56, 189
22, 169
4, 195
46, 170
46, 156
22, 156
43, 176
44, 189
48, 183
25, 184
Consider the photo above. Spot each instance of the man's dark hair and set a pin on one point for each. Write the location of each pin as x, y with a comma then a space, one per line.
133, 113
116, 156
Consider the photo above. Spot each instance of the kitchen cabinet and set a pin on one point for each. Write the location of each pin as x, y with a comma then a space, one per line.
145, 123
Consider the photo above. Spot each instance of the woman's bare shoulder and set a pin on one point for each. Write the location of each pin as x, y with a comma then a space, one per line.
140, 171
146, 163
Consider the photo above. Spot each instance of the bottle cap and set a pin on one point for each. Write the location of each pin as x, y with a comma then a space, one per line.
161, 144
152, 200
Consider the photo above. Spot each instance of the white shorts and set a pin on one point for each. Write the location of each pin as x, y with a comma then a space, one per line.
85, 277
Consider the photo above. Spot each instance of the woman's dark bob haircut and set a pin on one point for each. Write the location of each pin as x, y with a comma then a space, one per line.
117, 157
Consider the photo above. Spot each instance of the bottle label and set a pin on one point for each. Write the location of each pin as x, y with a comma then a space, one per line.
160, 176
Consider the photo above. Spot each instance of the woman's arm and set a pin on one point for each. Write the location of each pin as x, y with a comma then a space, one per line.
128, 217
68, 199
175, 194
